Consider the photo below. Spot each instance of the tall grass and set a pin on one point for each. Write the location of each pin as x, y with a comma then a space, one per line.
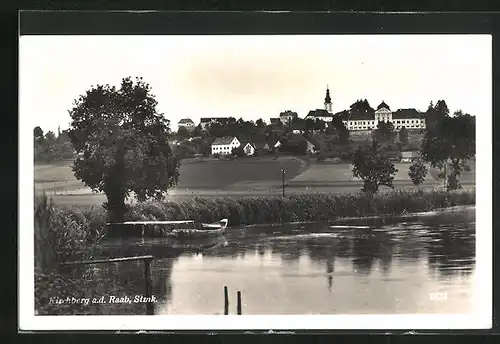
63, 233
301, 207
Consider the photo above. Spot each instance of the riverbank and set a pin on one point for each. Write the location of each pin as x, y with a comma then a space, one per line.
66, 232
67, 229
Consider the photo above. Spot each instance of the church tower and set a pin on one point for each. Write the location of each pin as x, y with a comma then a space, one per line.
328, 101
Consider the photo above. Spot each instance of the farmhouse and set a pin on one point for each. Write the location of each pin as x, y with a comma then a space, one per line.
186, 123
225, 145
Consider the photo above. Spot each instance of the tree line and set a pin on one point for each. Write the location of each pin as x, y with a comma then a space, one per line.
49, 147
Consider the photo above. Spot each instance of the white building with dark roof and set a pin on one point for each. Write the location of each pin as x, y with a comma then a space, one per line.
320, 114
186, 123
367, 120
225, 145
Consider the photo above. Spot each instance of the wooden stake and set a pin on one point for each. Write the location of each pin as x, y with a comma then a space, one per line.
226, 301
150, 309
238, 306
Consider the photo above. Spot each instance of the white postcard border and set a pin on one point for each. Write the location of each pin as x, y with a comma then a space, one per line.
480, 319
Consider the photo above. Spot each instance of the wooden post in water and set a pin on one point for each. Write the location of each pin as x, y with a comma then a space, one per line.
150, 307
283, 181
238, 305
283, 189
226, 301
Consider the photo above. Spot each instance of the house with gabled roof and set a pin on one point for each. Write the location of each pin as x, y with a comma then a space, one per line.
186, 123
249, 148
225, 145
320, 114
262, 146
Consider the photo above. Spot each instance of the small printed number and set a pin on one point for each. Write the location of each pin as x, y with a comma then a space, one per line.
438, 296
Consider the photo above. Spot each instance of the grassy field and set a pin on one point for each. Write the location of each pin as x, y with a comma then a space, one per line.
238, 174
332, 174
237, 178
210, 174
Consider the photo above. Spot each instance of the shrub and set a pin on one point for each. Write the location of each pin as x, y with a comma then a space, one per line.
417, 172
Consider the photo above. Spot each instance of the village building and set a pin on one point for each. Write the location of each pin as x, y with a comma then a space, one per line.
262, 146
275, 121
324, 114
249, 149
186, 123
225, 145
287, 117
320, 114
206, 121
311, 147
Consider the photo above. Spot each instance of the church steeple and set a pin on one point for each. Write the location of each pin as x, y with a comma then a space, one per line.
328, 100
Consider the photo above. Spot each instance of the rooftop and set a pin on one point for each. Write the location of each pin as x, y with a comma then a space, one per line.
185, 121
407, 114
319, 113
210, 119
383, 105
223, 140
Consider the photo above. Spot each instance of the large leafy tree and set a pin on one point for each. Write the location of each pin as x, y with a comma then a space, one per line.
38, 133
122, 143
183, 133
362, 105
374, 168
384, 133
260, 123
403, 135
435, 113
449, 145
341, 129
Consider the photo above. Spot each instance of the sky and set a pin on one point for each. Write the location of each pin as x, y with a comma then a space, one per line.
256, 76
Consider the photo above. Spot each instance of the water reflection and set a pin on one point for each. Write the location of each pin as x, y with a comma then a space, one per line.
269, 264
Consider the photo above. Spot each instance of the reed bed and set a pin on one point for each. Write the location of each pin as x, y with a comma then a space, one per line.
66, 232
60, 231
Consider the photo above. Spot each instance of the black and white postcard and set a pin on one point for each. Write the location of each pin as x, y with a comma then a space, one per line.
255, 181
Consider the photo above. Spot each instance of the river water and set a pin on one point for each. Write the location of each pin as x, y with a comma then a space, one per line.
420, 264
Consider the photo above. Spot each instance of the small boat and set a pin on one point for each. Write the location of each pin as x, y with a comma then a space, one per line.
188, 229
